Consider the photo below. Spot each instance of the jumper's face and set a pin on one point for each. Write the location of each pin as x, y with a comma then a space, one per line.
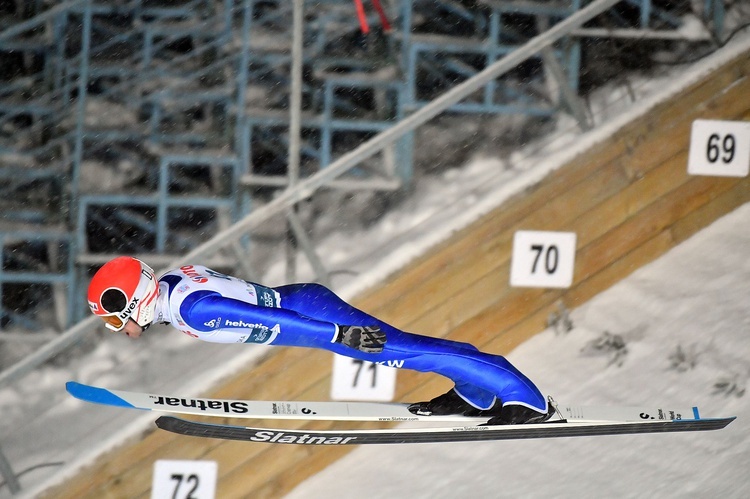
132, 329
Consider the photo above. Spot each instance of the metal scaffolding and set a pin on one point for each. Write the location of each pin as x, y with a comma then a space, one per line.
126, 117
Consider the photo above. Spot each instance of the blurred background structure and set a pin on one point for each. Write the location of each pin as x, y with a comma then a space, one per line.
144, 127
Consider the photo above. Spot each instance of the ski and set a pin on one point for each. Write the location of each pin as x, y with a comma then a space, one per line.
339, 411
255, 409
554, 429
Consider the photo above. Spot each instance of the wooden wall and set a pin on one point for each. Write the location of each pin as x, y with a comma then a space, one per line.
629, 200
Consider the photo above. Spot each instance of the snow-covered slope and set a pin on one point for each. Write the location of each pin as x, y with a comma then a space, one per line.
684, 322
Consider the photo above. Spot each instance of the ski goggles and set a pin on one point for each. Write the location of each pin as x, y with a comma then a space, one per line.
113, 322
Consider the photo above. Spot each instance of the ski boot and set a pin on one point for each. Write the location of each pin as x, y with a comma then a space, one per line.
451, 403
518, 414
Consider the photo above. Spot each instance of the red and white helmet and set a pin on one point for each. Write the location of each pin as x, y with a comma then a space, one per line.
122, 289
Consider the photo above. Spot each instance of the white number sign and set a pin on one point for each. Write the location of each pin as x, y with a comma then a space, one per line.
184, 479
542, 259
720, 148
364, 381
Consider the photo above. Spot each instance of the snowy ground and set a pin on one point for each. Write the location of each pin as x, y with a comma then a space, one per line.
698, 305
685, 322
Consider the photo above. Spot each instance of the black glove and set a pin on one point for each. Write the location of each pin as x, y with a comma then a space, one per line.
368, 339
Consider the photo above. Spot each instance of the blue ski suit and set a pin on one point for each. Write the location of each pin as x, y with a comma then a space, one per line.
218, 308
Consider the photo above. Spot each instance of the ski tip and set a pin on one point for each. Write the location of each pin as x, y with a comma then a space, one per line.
95, 395
76, 389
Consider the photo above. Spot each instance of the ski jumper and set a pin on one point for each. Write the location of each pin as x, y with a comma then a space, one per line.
218, 308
